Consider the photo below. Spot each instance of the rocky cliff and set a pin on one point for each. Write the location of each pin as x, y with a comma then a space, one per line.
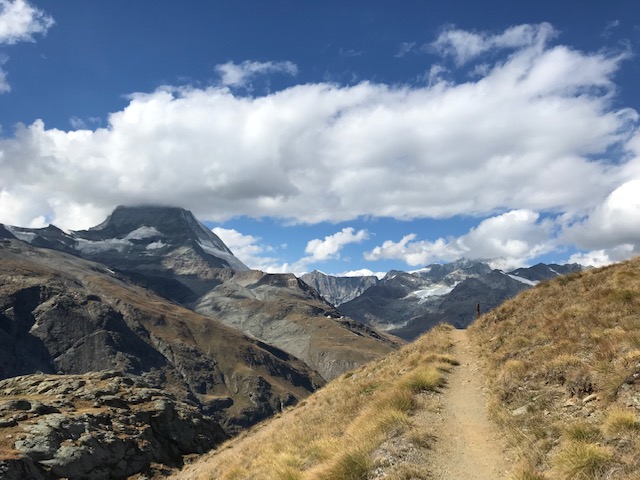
338, 290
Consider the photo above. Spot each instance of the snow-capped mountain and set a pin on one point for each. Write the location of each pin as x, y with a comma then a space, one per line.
141, 235
409, 303
166, 250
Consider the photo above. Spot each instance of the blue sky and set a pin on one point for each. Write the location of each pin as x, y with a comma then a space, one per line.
339, 136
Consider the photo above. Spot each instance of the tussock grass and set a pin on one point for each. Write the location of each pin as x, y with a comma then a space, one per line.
582, 461
550, 349
423, 379
583, 431
334, 434
621, 421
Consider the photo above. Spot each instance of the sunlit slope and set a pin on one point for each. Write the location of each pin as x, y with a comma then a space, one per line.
564, 367
334, 434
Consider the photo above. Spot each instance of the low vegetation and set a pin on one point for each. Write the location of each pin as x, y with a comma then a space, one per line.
564, 366
334, 434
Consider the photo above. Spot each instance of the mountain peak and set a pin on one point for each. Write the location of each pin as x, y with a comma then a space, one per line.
124, 219
155, 228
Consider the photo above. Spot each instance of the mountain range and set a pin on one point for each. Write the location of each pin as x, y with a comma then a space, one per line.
407, 304
193, 345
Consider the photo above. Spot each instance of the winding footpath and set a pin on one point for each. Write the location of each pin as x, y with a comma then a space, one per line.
468, 445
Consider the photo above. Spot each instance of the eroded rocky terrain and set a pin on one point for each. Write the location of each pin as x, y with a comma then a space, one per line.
98, 425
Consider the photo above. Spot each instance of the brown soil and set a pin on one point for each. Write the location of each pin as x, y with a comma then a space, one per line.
468, 445
452, 436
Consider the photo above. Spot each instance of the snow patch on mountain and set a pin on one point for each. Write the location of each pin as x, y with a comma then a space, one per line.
435, 290
526, 281
156, 245
20, 234
98, 246
143, 232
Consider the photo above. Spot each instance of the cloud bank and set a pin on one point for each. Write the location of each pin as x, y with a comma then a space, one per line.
531, 132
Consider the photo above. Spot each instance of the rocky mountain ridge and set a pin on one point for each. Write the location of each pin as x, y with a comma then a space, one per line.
168, 251
407, 304
98, 425
338, 290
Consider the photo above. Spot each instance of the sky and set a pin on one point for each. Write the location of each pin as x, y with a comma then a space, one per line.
349, 137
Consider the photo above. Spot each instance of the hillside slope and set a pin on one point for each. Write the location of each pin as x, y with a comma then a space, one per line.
374, 422
62, 315
564, 365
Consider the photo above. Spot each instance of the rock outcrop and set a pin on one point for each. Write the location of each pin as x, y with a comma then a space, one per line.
99, 425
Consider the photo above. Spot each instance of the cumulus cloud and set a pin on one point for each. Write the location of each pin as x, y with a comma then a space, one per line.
250, 250
536, 130
600, 258
506, 240
239, 74
363, 272
19, 22
611, 229
331, 245
259, 256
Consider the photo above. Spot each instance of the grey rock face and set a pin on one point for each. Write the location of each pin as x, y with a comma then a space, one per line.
338, 290
102, 441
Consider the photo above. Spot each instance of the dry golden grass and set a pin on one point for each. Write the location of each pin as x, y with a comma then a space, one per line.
569, 350
582, 461
333, 434
621, 421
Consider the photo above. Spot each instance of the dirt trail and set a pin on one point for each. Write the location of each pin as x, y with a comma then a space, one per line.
468, 444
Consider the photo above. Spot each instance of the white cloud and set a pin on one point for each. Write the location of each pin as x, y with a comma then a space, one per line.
533, 132
19, 21
507, 240
259, 256
464, 46
616, 221
250, 250
239, 74
600, 258
330, 247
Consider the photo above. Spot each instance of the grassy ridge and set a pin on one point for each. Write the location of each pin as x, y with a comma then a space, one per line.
564, 367
333, 434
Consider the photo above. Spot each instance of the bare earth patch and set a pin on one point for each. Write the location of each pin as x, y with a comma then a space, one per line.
468, 444
452, 437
